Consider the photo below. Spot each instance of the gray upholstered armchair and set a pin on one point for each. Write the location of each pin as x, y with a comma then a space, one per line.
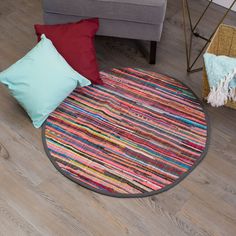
135, 19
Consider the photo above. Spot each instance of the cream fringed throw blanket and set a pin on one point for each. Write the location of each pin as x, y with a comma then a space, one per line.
221, 73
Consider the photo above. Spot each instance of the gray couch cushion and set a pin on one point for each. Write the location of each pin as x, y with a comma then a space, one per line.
115, 28
143, 11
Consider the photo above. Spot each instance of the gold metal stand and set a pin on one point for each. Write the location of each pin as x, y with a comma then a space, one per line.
188, 45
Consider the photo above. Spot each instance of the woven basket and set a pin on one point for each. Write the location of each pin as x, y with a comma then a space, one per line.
222, 43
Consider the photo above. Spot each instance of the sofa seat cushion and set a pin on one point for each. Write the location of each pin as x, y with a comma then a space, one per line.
126, 10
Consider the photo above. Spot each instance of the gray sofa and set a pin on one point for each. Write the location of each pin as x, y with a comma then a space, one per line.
135, 19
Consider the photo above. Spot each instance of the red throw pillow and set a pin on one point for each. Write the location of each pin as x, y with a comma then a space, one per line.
75, 42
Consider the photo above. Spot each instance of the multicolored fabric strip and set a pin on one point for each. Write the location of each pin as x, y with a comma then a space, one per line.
138, 134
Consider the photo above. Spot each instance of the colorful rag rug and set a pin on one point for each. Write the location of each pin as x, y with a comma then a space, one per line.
138, 134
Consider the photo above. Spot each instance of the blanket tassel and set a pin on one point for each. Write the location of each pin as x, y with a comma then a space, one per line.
219, 95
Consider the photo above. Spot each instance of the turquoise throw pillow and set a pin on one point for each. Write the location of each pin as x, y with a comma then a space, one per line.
41, 80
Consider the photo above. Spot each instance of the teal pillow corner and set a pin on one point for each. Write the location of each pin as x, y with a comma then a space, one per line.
41, 80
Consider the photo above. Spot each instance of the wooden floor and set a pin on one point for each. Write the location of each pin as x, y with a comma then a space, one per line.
37, 200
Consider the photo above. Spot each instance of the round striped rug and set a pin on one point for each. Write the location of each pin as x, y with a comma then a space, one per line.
138, 134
